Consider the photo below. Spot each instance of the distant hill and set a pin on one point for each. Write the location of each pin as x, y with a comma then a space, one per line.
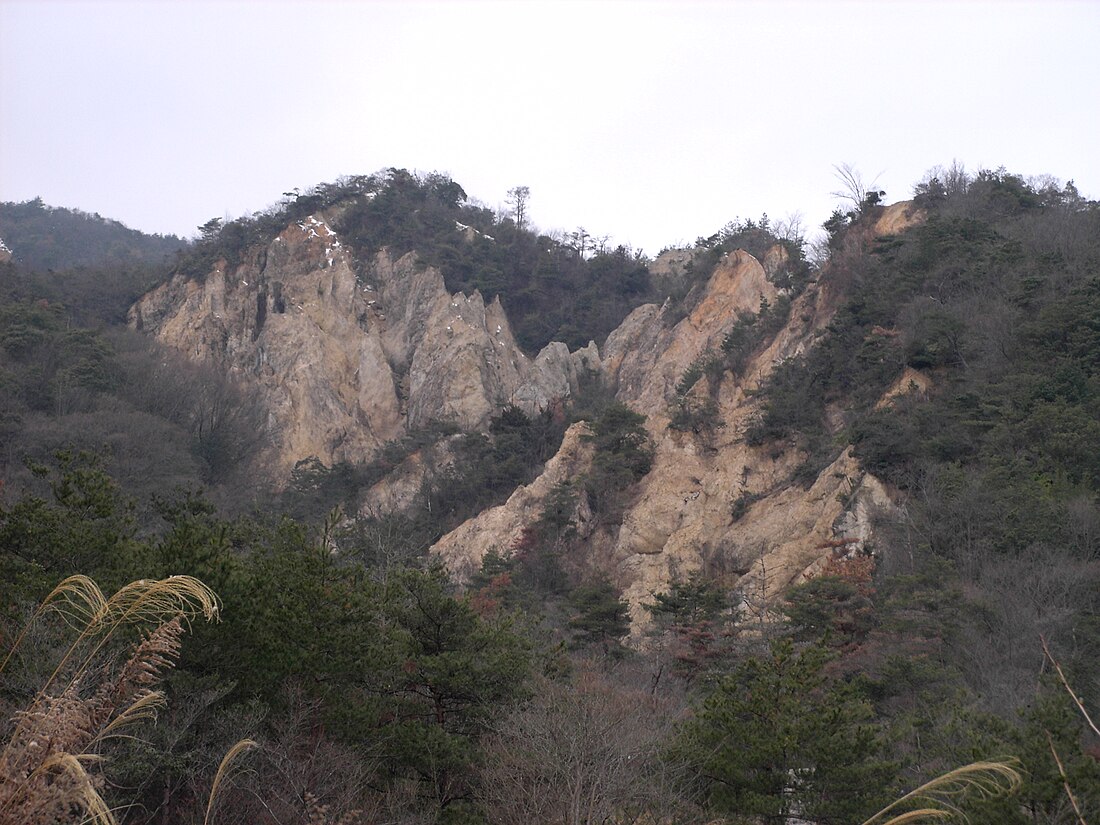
47, 237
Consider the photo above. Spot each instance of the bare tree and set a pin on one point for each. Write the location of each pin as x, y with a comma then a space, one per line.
853, 189
956, 179
792, 228
518, 196
226, 419
580, 753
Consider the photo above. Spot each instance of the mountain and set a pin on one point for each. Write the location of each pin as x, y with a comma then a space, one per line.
92, 266
351, 356
488, 508
352, 352
685, 516
44, 237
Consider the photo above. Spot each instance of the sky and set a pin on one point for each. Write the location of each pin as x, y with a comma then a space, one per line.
651, 122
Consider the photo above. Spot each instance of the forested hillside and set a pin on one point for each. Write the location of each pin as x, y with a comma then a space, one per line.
960, 364
49, 237
95, 267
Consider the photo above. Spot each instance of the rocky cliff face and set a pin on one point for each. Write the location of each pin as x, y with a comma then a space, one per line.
711, 502
351, 356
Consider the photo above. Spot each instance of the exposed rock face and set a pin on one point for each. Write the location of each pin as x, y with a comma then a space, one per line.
711, 502
5, 253
910, 382
897, 217
499, 527
645, 358
681, 519
400, 489
686, 516
349, 358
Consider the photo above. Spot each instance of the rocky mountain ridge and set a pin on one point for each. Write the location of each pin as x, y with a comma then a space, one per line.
350, 356
683, 517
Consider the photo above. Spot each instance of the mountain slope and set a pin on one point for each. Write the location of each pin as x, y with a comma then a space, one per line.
712, 502
46, 237
349, 355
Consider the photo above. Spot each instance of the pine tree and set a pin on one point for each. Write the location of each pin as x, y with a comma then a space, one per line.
778, 742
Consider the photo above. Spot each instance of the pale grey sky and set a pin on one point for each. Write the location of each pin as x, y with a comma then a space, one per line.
651, 122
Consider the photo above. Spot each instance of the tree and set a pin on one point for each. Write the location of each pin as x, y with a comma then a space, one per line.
208, 232
579, 241
430, 683
518, 196
579, 753
853, 189
86, 525
778, 741
835, 608
602, 617
695, 618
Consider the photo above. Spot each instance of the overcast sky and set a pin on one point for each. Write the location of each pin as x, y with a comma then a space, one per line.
650, 122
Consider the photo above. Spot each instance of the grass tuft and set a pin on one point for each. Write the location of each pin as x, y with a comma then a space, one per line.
225, 770
941, 796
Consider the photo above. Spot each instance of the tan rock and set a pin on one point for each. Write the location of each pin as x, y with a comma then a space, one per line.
897, 217
644, 359
349, 358
399, 490
498, 528
909, 382
682, 518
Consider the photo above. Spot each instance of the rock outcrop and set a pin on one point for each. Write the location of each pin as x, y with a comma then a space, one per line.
647, 356
711, 501
498, 528
351, 356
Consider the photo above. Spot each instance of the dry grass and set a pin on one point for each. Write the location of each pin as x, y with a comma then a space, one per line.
229, 765
47, 766
938, 799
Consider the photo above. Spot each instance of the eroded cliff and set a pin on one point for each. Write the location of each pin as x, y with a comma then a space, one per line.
350, 355
711, 502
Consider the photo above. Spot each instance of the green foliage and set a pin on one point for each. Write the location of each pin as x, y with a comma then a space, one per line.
696, 616
696, 370
623, 454
690, 412
56, 368
996, 298
552, 290
488, 467
739, 507
695, 600
601, 617
434, 674
1050, 726
695, 415
1016, 385
81, 524
830, 608
750, 331
623, 449
93, 268
778, 739
46, 237
756, 237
